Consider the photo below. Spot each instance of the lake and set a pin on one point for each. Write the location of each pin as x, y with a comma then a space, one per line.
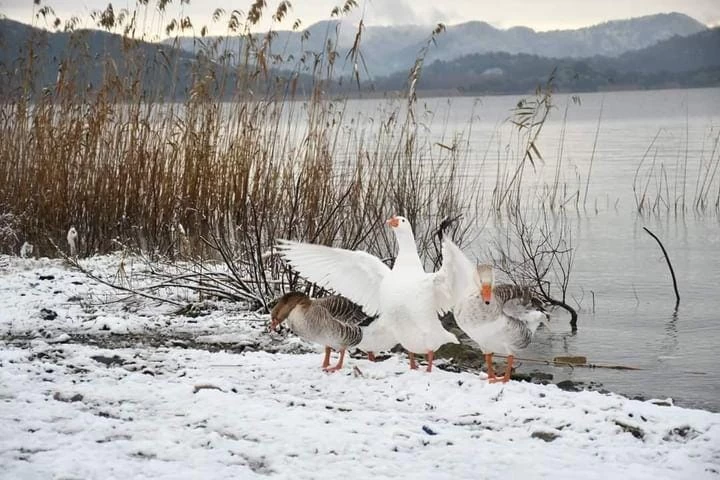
658, 141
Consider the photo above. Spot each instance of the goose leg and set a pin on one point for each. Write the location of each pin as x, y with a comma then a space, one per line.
413, 365
371, 356
430, 357
339, 364
326, 361
490, 371
508, 369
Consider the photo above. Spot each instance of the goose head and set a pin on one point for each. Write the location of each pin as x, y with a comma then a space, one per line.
399, 224
485, 279
285, 305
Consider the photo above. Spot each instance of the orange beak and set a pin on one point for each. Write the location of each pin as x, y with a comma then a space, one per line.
393, 221
486, 292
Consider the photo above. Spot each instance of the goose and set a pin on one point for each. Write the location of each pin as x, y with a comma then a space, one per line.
499, 318
406, 298
332, 321
376, 337
72, 237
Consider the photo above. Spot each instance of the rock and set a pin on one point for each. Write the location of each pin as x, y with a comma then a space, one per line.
47, 314
449, 367
521, 377
636, 432
194, 310
46, 277
108, 361
545, 436
206, 386
681, 434
62, 338
429, 430
64, 398
460, 354
569, 386
538, 375
533, 377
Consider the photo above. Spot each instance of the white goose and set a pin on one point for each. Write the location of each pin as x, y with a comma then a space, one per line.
406, 298
499, 318
332, 321
376, 337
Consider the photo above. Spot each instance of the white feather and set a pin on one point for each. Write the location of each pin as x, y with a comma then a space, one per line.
406, 298
454, 280
356, 275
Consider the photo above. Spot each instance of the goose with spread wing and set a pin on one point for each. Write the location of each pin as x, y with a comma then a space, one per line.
333, 321
406, 298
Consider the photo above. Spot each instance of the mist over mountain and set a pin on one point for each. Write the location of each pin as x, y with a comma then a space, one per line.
692, 61
387, 49
669, 50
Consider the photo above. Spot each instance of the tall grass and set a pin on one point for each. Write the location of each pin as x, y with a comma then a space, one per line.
662, 190
245, 150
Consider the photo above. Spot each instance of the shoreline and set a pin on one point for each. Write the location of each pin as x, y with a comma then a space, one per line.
84, 318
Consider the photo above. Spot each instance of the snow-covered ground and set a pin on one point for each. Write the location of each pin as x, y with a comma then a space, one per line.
160, 406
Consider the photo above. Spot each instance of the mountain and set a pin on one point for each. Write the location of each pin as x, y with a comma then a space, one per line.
387, 49
137, 69
85, 58
677, 54
692, 61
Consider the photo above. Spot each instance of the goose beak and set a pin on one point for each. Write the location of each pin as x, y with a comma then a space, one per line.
393, 221
274, 324
486, 292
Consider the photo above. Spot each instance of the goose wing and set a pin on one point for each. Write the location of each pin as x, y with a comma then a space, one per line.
343, 309
520, 303
454, 280
354, 274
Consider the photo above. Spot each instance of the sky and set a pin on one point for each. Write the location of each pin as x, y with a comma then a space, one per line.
540, 15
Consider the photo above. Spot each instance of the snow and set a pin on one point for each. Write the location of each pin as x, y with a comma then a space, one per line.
170, 408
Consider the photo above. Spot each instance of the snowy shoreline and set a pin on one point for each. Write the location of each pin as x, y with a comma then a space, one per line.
169, 410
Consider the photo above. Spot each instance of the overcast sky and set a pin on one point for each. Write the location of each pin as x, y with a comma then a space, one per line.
537, 14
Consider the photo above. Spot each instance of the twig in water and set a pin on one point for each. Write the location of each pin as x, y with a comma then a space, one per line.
637, 299
672, 272
571, 363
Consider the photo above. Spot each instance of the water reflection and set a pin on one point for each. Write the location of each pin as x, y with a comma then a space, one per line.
670, 342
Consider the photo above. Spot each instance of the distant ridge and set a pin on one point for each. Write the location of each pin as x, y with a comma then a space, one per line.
388, 49
675, 61
692, 61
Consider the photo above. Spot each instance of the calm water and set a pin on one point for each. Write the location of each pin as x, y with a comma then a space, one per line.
633, 322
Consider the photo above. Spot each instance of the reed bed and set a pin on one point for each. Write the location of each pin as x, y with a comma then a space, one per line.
668, 189
218, 153
244, 156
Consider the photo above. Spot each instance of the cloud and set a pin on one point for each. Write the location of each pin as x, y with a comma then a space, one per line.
403, 12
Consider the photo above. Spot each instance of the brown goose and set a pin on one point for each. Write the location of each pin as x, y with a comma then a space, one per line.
333, 321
